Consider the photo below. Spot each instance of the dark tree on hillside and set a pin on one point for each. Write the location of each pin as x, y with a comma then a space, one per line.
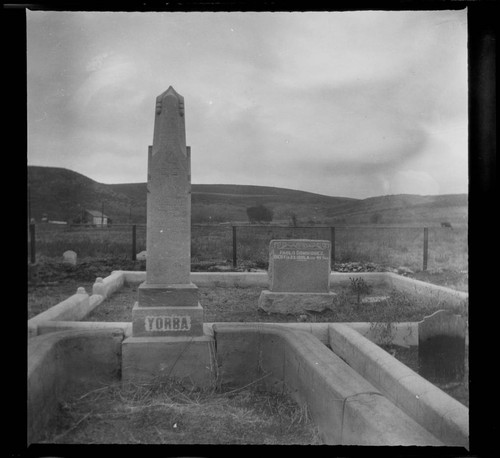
259, 214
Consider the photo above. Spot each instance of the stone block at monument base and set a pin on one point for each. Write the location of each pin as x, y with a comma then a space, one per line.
183, 295
187, 359
167, 321
272, 302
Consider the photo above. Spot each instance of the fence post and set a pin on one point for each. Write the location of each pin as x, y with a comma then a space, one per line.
134, 251
332, 240
426, 247
32, 244
234, 247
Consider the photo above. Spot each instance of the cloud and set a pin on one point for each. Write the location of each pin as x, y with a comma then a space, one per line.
107, 77
344, 103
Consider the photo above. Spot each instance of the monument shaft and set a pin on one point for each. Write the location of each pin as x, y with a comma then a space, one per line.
169, 195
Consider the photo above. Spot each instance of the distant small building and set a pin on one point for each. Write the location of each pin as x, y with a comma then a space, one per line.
57, 222
95, 218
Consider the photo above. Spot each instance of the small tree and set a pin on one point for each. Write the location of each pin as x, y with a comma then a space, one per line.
259, 214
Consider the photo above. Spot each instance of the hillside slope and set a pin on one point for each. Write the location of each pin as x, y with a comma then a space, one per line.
63, 194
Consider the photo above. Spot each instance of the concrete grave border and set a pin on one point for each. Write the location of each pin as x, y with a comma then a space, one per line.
346, 408
431, 407
295, 361
58, 359
76, 307
60, 325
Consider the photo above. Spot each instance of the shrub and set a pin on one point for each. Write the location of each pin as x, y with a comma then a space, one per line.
259, 214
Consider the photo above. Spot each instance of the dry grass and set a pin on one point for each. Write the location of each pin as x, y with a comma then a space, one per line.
391, 246
166, 412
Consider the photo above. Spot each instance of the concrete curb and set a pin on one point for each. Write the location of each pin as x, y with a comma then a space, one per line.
400, 282
57, 326
343, 278
404, 334
256, 278
426, 290
107, 286
74, 308
347, 409
431, 407
58, 361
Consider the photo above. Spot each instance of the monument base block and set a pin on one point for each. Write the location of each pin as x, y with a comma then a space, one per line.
272, 302
190, 360
182, 295
167, 321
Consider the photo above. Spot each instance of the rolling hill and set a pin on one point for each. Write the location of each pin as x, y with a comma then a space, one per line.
63, 194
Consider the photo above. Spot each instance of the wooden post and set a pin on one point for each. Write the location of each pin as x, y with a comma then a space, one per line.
234, 248
426, 247
134, 254
332, 240
32, 244
102, 214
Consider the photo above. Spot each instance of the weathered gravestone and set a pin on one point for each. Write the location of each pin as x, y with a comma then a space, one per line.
441, 347
142, 256
299, 277
168, 314
69, 257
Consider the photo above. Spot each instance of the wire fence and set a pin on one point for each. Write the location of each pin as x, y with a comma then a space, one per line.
238, 245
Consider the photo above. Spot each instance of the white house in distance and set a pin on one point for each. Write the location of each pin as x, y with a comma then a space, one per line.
95, 217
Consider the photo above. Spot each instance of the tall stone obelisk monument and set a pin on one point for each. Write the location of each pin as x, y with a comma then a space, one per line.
167, 320
169, 195
168, 301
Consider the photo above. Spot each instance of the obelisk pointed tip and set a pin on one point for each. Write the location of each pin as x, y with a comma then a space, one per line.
170, 91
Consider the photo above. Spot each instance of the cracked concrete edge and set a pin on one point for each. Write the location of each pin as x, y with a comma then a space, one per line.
431, 407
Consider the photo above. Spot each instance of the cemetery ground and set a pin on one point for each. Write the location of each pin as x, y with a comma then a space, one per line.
57, 281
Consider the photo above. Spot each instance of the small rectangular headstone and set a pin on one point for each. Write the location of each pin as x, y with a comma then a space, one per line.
69, 257
441, 347
299, 266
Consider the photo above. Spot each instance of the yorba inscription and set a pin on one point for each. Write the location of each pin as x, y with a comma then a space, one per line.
167, 323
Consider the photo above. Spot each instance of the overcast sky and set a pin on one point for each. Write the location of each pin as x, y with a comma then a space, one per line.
352, 104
